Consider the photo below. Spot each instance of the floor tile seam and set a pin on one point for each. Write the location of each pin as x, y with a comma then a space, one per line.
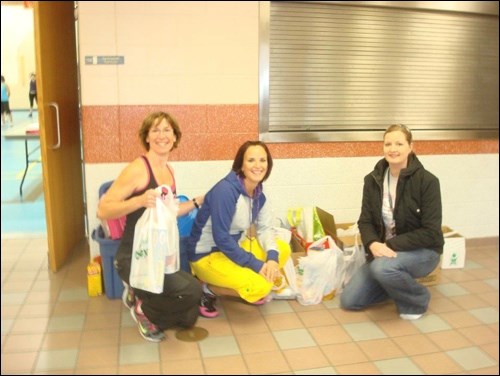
403, 353
484, 299
447, 356
355, 343
17, 371
245, 362
495, 335
478, 348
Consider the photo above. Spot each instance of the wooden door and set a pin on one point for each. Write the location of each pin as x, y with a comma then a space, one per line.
58, 113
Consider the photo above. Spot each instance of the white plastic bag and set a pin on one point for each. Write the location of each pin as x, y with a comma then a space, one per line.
354, 258
156, 244
322, 271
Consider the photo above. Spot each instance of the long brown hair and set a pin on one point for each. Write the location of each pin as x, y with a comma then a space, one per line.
402, 128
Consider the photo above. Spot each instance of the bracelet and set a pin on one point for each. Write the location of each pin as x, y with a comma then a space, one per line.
195, 203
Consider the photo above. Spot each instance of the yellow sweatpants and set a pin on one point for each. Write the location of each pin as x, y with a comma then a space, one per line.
218, 270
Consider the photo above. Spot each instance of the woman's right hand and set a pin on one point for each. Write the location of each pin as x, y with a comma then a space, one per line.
381, 250
148, 198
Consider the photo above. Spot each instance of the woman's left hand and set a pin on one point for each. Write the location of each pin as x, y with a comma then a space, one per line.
270, 270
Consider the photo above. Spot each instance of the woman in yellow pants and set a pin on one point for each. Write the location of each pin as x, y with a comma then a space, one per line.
221, 255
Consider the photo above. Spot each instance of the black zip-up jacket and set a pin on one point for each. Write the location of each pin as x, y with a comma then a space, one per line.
417, 210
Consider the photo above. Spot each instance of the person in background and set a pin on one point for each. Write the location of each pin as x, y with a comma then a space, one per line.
130, 194
5, 103
233, 247
32, 93
400, 226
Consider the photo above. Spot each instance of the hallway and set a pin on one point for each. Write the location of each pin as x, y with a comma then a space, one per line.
26, 215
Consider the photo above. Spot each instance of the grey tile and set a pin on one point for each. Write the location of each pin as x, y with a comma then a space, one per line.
66, 323
472, 265
399, 366
13, 298
276, 306
317, 371
431, 323
486, 315
451, 289
7, 325
471, 358
146, 352
70, 295
293, 339
219, 346
364, 331
56, 359
492, 282
126, 319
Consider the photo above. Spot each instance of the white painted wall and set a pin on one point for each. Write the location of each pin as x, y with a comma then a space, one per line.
469, 187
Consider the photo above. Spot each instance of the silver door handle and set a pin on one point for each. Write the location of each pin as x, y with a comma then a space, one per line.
58, 144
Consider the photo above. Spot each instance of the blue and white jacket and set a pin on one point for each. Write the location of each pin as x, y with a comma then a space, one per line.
227, 212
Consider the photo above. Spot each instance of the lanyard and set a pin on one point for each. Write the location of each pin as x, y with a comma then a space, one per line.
389, 190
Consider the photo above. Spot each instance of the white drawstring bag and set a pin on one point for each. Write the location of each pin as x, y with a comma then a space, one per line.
156, 243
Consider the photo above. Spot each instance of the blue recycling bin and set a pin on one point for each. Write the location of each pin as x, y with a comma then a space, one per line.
113, 285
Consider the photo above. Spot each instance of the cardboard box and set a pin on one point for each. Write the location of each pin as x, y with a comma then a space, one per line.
328, 223
453, 250
94, 279
347, 240
297, 250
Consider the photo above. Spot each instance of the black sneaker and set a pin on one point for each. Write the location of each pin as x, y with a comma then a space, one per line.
148, 330
207, 305
128, 296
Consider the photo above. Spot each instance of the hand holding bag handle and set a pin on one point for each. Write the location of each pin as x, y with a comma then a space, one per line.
156, 244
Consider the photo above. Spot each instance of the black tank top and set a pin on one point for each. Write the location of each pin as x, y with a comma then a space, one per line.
127, 241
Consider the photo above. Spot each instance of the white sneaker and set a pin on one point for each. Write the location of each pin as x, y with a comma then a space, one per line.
411, 316
284, 294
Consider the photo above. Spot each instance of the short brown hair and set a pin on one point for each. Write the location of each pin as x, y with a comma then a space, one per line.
153, 119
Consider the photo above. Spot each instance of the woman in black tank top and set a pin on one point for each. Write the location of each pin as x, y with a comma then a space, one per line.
129, 195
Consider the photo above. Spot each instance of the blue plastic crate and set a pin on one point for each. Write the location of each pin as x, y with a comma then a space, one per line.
113, 285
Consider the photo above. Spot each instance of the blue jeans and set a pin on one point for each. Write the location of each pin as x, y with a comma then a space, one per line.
392, 278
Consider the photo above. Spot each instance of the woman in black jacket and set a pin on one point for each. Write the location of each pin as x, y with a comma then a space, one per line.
400, 225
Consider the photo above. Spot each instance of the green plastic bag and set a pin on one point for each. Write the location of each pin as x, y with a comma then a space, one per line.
318, 231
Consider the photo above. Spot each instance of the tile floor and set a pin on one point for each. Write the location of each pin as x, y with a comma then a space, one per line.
51, 326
